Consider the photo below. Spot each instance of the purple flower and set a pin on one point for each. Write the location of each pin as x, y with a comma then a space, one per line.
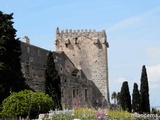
76, 102
101, 116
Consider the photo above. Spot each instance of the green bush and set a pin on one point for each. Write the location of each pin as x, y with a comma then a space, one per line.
26, 103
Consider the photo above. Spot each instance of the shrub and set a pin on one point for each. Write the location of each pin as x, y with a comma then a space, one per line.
26, 103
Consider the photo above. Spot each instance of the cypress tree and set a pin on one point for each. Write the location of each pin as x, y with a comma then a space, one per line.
145, 105
11, 77
52, 83
136, 99
125, 97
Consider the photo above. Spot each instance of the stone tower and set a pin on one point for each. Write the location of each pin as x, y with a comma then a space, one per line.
87, 49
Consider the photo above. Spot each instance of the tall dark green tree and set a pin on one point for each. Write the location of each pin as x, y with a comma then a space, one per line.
11, 77
136, 99
52, 83
125, 97
145, 104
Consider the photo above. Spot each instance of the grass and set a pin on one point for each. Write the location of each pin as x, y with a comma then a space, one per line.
119, 115
91, 114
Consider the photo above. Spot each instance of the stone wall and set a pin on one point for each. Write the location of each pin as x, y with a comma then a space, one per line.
76, 90
81, 59
33, 60
87, 50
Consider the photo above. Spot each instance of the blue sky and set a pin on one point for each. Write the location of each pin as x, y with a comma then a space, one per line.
132, 27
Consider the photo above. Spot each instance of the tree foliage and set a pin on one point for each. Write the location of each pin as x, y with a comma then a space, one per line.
118, 98
114, 96
125, 97
26, 103
52, 82
136, 99
145, 105
11, 78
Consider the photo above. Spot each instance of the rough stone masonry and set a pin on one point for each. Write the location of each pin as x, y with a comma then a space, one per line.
88, 51
80, 59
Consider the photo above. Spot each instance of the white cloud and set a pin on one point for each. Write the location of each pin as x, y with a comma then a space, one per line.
125, 23
135, 20
154, 83
117, 83
120, 80
154, 54
154, 76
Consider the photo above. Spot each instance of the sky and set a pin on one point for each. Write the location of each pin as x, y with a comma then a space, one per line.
132, 28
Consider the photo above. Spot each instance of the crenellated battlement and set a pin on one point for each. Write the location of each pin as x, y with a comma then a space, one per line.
74, 31
79, 31
69, 36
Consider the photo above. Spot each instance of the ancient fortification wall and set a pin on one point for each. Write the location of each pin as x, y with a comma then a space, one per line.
81, 60
74, 85
33, 60
88, 51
